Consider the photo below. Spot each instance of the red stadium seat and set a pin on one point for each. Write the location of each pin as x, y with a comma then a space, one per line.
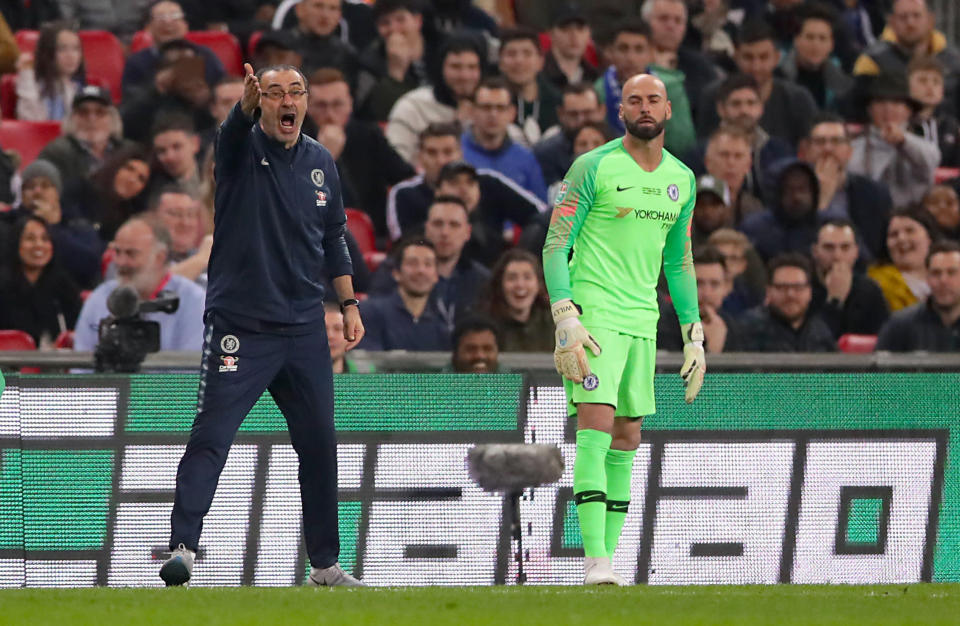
16, 340
64, 340
8, 96
27, 40
361, 227
857, 344
943, 174
27, 138
253, 41
103, 58
141, 40
224, 45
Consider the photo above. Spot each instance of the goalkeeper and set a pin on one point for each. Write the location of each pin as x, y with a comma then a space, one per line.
623, 208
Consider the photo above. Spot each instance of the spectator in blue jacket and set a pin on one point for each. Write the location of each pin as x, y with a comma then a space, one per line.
408, 318
487, 143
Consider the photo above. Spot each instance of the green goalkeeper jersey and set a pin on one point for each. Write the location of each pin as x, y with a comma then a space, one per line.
622, 223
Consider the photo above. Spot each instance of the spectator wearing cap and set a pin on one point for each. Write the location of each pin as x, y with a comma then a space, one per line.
91, 134
887, 151
848, 300
368, 165
810, 63
785, 322
476, 346
487, 144
397, 61
316, 39
844, 194
564, 63
721, 331
521, 64
49, 78
631, 51
903, 277
910, 33
141, 254
932, 120
409, 200
408, 318
165, 22
790, 225
447, 100
76, 241
787, 107
459, 277
179, 88
668, 29
36, 295
579, 105
934, 324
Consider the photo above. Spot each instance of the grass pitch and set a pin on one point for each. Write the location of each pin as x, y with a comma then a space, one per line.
925, 605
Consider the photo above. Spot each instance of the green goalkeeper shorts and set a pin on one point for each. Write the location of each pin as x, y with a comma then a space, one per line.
621, 376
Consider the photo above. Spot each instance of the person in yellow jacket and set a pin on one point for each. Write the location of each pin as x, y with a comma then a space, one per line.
903, 279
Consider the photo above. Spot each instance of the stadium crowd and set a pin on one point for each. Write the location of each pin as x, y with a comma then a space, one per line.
824, 135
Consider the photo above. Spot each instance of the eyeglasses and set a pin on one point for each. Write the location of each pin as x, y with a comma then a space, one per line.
278, 95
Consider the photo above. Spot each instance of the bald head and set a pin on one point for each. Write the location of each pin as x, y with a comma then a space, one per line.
646, 83
644, 108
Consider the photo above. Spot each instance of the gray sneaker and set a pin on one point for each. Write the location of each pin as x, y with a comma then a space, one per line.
177, 569
332, 576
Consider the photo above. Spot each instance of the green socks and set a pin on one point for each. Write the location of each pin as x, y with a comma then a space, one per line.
590, 489
619, 469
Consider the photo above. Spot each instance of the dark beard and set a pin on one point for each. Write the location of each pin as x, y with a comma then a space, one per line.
644, 133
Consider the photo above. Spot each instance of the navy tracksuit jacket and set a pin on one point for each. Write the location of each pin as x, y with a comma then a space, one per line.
278, 229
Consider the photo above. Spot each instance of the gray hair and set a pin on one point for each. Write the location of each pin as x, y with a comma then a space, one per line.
647, 9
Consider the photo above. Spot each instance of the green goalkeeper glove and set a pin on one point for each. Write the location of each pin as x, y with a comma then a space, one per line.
569, 355
694, 361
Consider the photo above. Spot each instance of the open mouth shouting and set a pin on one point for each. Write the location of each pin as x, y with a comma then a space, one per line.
288, 122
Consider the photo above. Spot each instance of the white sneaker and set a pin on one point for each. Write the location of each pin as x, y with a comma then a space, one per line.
332, 576
177, 569
597, 571
621, 581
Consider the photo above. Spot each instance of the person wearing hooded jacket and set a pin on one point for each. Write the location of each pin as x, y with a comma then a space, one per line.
790, 225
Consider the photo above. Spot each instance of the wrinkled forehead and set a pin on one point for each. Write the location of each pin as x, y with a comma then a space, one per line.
282, 79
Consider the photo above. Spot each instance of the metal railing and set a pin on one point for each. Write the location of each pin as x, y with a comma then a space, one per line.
395, 361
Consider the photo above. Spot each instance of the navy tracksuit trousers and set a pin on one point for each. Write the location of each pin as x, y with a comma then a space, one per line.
238, 365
